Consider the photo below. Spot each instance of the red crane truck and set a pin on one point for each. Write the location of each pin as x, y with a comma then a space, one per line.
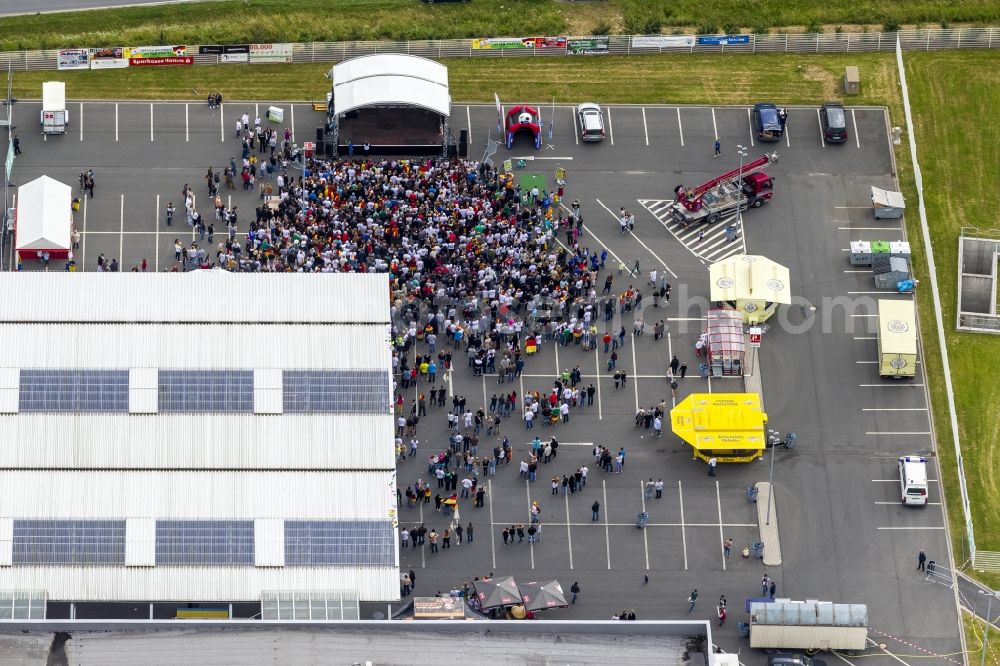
739, 189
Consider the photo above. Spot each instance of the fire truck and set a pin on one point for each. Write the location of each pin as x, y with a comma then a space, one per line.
739, 189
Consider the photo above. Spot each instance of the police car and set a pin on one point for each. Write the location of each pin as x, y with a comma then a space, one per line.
913, 480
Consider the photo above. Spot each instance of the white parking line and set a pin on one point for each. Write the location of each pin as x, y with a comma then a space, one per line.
597, 366
889, 432
639, 240
865, 337
292, 114
635, 372
116, 121
684, 543
150, 122
493, 538
897, 480
854, 121
83, 240
569, 531
187, 125
576, 131
893, 409
81, 121
822, 139
645, 539
887, 228
680, 128
611, 129
645, 130
909, 528
718, 498
899, 384
222, 124
896, 503
531, 544
715, 128
607, 532
670, 354
468, 122
750, 122
156, 222
788, 139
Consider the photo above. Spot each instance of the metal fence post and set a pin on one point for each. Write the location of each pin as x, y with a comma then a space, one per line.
959, 44
753, 43
786, 42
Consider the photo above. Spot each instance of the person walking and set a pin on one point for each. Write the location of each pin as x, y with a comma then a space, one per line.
433, 537
727, 547
170, 214
771, 590
718, 148
575, 589
658, 486
17, 145
675, 363
722, 615
506, 535
764, 583
921, 561
712, 462
459, 530
404, 538
684, 369
595, 510
692, 598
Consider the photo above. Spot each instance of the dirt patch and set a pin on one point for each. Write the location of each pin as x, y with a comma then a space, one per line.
829, 82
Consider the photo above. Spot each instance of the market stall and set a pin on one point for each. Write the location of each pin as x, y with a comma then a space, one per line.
726, 426
751, 284
726, 343
44, 220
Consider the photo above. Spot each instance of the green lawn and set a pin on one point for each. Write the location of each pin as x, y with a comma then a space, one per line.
239, 21
974, 635
954, 97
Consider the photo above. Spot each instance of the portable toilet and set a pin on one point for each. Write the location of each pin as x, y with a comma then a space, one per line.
888, 205
861, 253
900, 249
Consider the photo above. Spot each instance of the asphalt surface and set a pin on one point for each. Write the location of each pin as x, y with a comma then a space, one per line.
844, 536
20, 7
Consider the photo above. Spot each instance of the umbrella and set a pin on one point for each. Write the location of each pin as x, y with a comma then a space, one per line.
497, 593
540, 596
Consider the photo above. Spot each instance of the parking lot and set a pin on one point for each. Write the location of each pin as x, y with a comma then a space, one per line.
844, 535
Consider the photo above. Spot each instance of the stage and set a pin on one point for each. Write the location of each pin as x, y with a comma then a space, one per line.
391, 131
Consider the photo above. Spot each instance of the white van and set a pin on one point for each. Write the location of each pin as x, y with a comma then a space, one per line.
913, 480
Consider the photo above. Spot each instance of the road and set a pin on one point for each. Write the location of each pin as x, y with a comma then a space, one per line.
21, 7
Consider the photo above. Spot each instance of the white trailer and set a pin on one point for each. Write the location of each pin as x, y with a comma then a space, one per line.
808, 625
55, 116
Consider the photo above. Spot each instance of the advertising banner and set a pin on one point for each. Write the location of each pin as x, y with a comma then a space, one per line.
546, 42
589, 46
108, 58
161, 62
227, 52
722, 40
519, 43
270, 53
662, 41
137, 52
74, 59
438, 608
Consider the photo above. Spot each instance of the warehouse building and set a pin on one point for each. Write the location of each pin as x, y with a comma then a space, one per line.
196, 441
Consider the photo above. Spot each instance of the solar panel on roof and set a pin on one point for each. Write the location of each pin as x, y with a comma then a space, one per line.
339, 542
204, 542
336, 391
73, 390
206, 390
71, 542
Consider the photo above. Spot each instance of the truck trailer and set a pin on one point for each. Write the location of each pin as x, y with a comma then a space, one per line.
736, 190
55, 116
897, 339
808, 625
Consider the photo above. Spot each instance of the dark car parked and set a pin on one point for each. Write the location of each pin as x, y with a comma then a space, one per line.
834, 122
769, 122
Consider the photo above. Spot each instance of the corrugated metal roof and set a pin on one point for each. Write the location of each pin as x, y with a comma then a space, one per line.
197, 583
190, 346
809, 613
199, 296
184, 494
198, 441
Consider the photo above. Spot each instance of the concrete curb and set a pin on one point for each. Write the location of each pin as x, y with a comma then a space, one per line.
768, 532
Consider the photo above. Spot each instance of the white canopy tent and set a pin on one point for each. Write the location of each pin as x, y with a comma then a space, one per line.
391, 79
44, 217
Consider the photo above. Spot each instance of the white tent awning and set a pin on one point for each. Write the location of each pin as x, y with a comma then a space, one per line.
44, 218
391, 79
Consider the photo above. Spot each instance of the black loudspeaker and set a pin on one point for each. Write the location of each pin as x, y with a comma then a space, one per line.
319, 134
320, 148
463, 143
331, 150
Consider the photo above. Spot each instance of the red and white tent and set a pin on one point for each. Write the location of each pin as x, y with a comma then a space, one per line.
44, 219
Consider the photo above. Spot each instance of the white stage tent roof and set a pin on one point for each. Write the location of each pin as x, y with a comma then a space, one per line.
391, 79
44, 215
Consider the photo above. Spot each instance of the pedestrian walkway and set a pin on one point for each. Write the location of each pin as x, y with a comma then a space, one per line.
710, 243
768, 523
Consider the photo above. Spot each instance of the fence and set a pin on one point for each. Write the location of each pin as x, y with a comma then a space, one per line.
868, 42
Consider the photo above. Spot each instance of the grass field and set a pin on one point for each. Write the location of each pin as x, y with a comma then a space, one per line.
239, 21
954, 97
974, 634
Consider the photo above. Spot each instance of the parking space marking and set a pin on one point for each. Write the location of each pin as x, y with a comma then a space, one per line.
576, 131
897, 480
607, 532
713, 244
819, 121
854, 121
788, 139
718, 498
222, 125
896, 503
83, 236
291, 111
156, 221
151, 122
868, 228
865, 337
893, 409
569, 531
750, 123
611, 128
586, 228
597, 366
468, 122
80, 120
121, 231
645, 539
493, 538
909, 528
635, 372
645, 130
889, 432
116, 121
639, 240
187, 125
873, 362
673, 398
531, 544
680, 128
684, 542
901, 385
715, 128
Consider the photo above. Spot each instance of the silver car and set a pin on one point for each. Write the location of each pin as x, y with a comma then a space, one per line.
591, 121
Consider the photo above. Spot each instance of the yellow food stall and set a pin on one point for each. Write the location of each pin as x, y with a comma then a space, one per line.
752, 284
726, 426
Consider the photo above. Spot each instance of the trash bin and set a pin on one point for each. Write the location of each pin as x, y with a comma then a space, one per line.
76, 203
758, 550
703, 370
752, 493
744, 629
641, 520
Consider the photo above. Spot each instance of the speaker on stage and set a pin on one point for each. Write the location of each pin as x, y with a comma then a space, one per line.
319, 134
320, 148
463, 143
331, 149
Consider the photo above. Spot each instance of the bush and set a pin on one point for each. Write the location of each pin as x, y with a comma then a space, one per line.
839, 29
731, 28
945, 24
761, 29
814, 25
708, 29
890, 25
602, 28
